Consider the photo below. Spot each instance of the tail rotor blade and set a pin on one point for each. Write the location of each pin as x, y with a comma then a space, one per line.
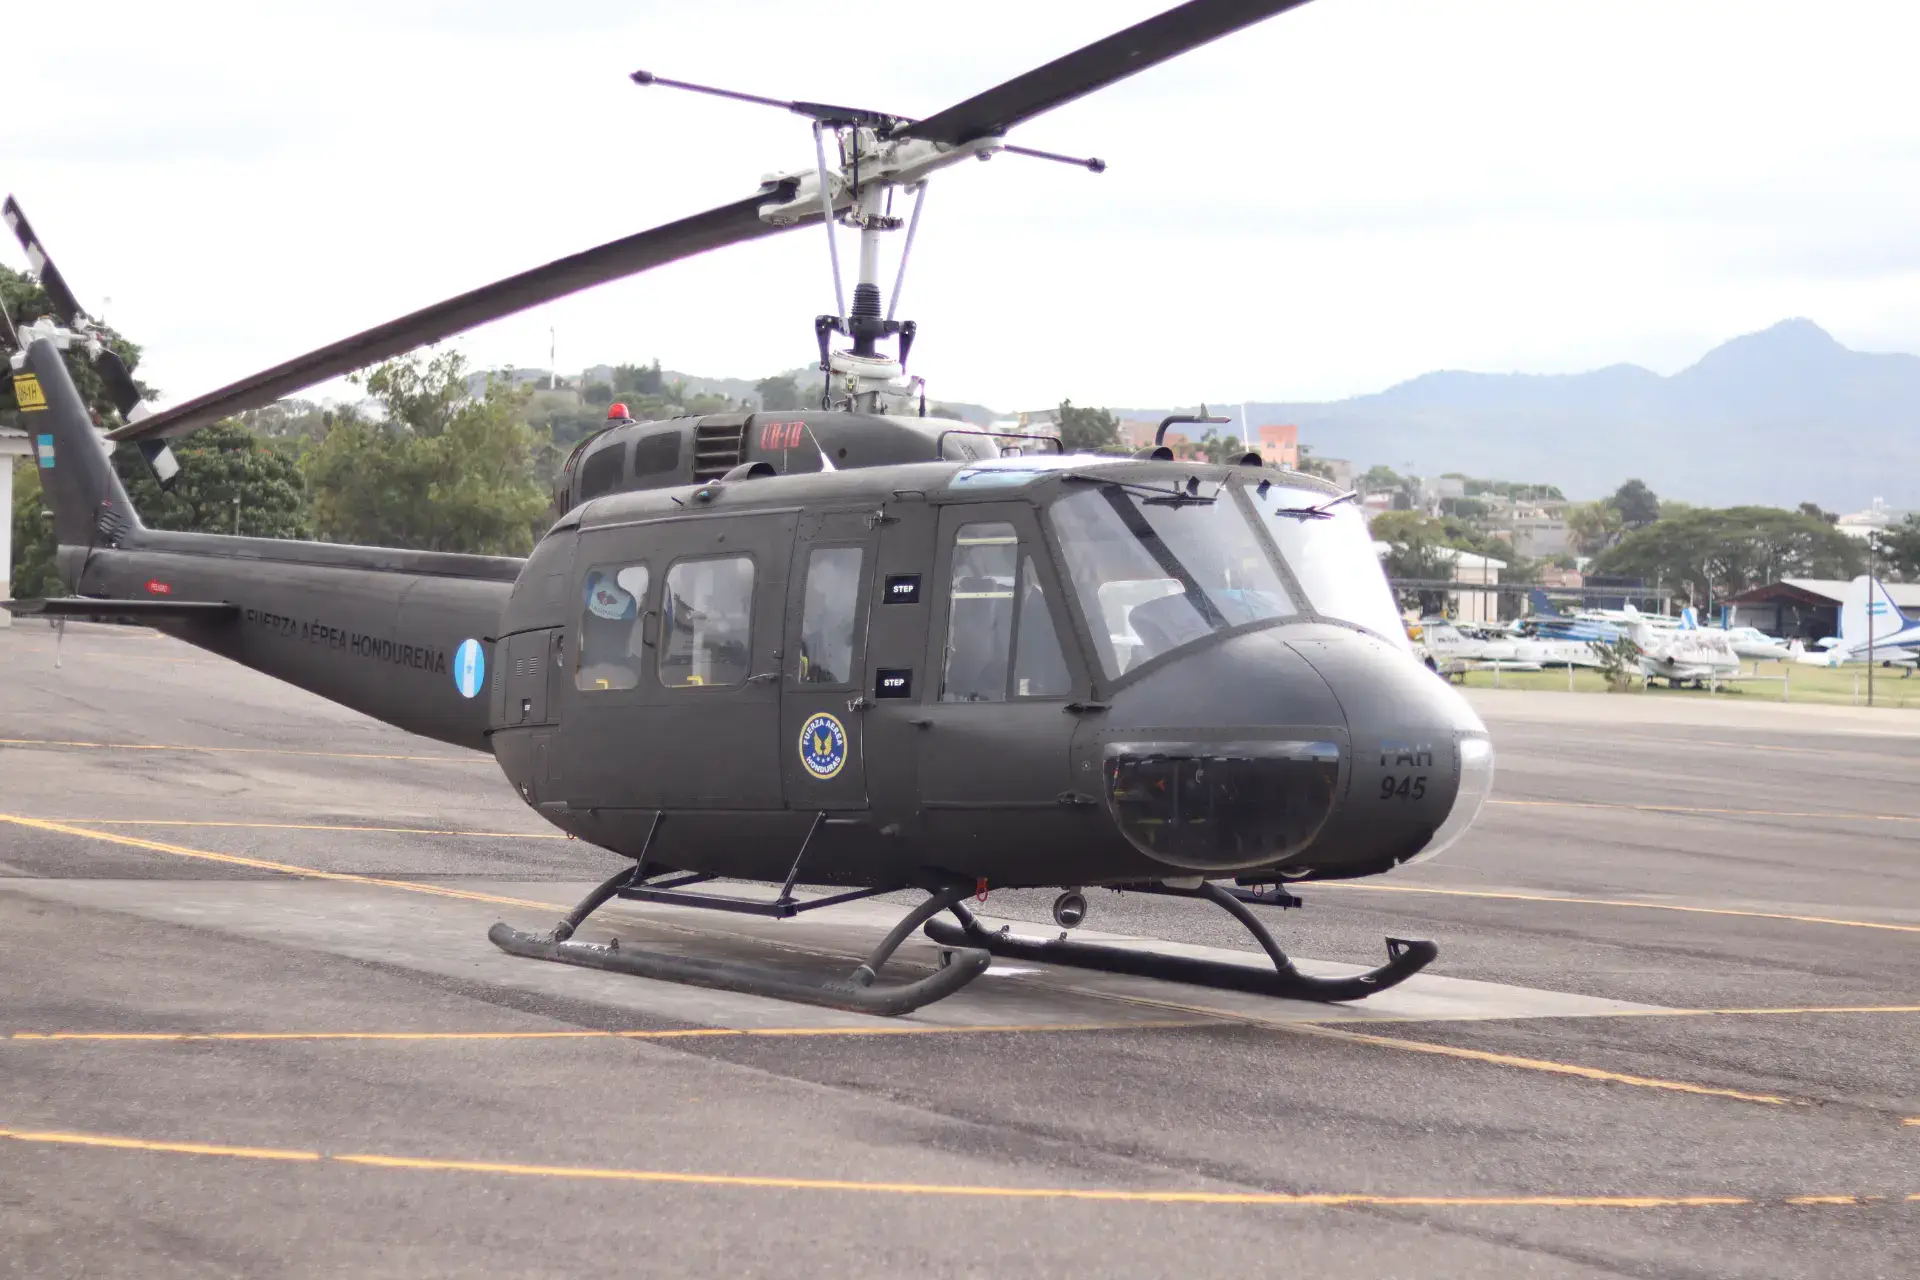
112, 369
1146, 44
66, 308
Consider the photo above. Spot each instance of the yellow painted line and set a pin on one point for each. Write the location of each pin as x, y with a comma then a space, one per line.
476, 758
314, 826
262, 864
178, 1148
1639, 1013
1812, 1008
1699, 809
953, 1190
1613, 902
699, 1033
1912, 1120
1539, 1064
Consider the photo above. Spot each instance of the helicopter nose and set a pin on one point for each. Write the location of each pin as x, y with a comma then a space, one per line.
1421, 763
1312, 751
1224, 759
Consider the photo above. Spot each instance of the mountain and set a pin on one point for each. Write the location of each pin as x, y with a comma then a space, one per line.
1779, 417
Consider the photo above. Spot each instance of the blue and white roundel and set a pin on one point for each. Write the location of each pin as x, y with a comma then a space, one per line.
469, 668
823, 746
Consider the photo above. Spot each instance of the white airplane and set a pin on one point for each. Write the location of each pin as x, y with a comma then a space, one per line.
1684, 653
1752, 642
1455, 648
1870, 624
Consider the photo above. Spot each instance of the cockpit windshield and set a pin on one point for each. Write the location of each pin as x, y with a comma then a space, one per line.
1155, 572
1326, 544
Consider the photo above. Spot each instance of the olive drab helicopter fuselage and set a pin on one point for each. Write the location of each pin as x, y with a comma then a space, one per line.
857, 647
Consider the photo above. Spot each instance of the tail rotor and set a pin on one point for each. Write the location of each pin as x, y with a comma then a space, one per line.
71, 316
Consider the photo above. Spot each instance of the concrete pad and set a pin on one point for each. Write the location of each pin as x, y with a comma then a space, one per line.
447, 936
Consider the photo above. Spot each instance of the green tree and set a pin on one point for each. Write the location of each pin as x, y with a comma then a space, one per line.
1221, 448
230, 481
598, 394
778, 393
444, 472
1380, 479
638, 379
1637, 505
1712, 554
1594, 526
33, 569
1088, 430
1898, 547
1812, 511
698, 406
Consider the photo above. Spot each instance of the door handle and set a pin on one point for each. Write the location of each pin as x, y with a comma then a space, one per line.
650, 628
764, 675
859, 703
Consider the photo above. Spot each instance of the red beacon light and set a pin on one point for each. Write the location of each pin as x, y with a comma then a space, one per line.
617, 411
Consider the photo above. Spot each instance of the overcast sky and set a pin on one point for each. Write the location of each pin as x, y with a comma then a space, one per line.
1338, 199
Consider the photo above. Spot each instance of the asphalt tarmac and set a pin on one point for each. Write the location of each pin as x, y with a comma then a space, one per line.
250, 1025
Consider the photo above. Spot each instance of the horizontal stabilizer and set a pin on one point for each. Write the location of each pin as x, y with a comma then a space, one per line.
87, 607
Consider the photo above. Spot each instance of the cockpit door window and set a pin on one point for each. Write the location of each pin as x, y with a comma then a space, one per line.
608, 656
980, 614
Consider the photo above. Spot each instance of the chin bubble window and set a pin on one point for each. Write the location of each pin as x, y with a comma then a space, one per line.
707, 612
609, 650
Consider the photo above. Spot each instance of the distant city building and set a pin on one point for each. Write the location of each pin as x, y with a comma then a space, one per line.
1554, 576
1470, 570
1535, 532
1342, 469
476, 383
1877, 518
1279, 444
1138, 432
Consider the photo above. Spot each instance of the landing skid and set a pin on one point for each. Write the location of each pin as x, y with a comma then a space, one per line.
1405, 957
856, 992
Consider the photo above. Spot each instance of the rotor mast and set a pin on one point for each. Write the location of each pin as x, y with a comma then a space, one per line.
877, 154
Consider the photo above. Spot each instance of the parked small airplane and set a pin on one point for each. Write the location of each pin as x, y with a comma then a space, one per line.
1454, 648
1684, 653
1872, 629
1755, 644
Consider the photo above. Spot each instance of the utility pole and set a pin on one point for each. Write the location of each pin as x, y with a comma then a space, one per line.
1873, 568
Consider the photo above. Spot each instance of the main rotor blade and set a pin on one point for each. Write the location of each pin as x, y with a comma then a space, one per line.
1100, 64
726, 225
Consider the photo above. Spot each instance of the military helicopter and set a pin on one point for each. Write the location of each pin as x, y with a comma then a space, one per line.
858, 647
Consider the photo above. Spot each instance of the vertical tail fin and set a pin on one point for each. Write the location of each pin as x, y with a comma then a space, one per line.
90, 507
1868, 602
1689, 620
1542, 607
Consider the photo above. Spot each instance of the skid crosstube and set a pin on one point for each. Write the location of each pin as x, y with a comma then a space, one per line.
857, 992
1406, 957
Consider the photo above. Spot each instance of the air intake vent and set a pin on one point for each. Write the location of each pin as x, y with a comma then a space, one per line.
719, 445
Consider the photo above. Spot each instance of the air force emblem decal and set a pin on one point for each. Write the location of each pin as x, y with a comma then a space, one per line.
823, 746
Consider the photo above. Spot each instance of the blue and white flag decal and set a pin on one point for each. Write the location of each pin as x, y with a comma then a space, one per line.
43, 445
469, 668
